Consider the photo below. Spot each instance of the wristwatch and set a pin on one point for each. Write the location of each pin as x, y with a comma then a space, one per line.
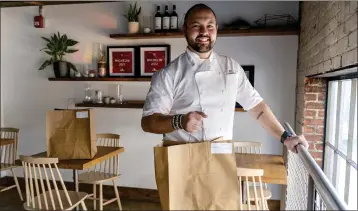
284, 136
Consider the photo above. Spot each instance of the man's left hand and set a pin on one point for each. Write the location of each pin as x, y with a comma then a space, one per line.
292, 142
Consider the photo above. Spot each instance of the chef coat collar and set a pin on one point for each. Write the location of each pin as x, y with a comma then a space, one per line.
195, 59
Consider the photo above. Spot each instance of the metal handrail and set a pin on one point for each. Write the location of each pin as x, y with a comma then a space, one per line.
323, 185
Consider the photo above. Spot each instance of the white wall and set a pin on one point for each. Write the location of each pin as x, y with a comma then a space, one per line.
27, 94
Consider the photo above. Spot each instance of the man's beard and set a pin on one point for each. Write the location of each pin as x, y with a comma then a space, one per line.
198, 47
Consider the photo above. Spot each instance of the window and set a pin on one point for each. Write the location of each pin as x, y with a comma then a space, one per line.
340, 157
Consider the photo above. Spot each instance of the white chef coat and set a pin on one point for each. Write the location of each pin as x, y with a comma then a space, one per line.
211, 86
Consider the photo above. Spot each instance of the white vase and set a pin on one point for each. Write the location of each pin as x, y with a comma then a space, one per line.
133, 27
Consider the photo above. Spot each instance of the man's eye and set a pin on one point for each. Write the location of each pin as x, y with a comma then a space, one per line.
196, 25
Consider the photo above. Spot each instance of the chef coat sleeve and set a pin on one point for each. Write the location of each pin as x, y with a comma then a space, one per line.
247, 96
160, 95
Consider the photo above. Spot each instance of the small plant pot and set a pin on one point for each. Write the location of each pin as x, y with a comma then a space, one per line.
61, 69
133, 27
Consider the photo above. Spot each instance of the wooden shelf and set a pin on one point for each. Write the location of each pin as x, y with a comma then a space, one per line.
44, 3
99, 79
224, 33
240, 110
127, 104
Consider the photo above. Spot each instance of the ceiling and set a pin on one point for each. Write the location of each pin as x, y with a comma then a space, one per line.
4, 4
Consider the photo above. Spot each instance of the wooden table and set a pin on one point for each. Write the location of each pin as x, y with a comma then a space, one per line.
103, 153
273, 166
4, 142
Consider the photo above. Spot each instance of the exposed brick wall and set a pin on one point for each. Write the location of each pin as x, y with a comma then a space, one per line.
313, 116
328, 40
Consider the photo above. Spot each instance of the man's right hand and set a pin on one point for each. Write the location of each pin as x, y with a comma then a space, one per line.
192, 121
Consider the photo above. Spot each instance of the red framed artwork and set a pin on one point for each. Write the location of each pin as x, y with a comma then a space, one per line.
121, 60
153, 58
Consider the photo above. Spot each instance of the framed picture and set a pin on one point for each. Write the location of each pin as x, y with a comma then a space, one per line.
121, 60
250, 74
153, 58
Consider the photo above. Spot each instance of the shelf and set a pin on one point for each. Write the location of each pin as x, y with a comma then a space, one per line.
224, 33
99, 79
240, 110
128, 104
44, 3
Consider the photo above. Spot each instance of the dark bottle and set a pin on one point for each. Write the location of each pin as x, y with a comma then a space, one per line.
158, 21
174, 20
166, 20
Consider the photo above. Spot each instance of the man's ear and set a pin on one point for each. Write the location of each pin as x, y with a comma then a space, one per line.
217, 26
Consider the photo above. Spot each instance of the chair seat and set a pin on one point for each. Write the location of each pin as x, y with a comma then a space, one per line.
96, 177
266, 192
6, 166
75, 197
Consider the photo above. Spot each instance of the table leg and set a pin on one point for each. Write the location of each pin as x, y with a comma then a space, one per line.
75, 183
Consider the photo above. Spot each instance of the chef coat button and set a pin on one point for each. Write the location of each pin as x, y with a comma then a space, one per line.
220, 129
222, 91
222, 109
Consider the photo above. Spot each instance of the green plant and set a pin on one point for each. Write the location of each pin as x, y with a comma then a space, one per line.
57, 47
132, 13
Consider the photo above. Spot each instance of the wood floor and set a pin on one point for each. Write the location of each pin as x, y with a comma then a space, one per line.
9, 200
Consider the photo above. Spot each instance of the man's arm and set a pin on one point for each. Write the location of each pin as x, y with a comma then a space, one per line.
157, 123
160, 123
263, 114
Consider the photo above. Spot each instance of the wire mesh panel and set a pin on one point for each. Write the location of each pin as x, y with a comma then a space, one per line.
297, 183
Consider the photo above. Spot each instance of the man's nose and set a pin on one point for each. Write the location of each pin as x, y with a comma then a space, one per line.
203, 30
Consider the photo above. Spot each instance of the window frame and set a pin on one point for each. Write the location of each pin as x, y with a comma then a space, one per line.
335, 150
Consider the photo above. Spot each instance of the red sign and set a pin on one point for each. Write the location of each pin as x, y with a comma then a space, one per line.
122, 62
154, 61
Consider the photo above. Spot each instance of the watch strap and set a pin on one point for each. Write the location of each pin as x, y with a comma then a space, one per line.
284, 136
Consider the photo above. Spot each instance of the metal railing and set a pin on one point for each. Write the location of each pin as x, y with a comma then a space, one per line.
308, 187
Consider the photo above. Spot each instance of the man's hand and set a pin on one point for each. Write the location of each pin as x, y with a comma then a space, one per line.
192, 121
292, 142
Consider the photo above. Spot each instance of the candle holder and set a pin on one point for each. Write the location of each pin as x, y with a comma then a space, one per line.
119, 97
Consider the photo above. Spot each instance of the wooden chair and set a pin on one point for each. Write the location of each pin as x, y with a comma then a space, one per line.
8, 155
257, 194
105, 171
247, 147
252, 148
37, 197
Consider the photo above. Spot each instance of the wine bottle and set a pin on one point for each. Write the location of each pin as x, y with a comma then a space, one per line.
158, 20
174, 20
166, 20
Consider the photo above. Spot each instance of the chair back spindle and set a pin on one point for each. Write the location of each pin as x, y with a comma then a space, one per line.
245, 174
9, 151
36, 171
111, 165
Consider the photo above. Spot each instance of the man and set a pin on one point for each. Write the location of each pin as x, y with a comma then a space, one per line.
193, 98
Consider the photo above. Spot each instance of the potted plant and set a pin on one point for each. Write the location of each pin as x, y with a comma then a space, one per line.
57, 47
132, 17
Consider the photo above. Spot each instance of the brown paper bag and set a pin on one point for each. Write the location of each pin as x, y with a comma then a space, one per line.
71, 134
197, 176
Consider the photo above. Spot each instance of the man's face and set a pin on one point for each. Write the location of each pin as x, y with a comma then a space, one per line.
201, 30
